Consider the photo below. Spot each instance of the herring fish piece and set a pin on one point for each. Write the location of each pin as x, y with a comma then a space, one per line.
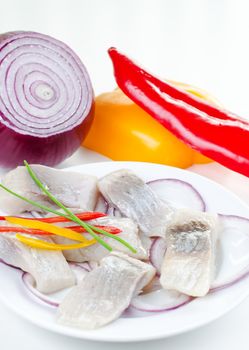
49, 268
96, 252
136, 200
189, 262
105, 292
73, 189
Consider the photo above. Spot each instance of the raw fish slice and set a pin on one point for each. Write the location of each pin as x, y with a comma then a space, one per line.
96, 252
128, 193
105, 292
72, 189
49, 268
189, 262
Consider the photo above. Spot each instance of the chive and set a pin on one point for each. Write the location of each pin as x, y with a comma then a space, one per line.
117, 238
90, 229
50, 210
70, 214
38, 205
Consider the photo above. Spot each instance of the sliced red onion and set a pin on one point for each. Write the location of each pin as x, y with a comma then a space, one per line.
29, 283
117, 213
46, 99
80, 270
7, 264
233, 257
217, 288
157, 252
153, 286
178, 193
111, 211
84, 265
160, 301
93, 265
35, 214
146, 241
101, 205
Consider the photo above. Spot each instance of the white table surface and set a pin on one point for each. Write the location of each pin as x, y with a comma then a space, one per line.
203, 42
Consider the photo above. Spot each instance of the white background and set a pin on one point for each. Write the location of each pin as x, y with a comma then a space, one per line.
203, 42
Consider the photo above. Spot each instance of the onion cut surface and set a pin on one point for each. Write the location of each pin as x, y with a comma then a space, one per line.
54, 299
101, 205
46, 99
233, 267
157, 251
29, 283
160, 301
233, 258
232, 263
178, 193
111, 211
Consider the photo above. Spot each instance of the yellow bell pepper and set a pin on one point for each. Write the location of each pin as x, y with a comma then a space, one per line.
121, 130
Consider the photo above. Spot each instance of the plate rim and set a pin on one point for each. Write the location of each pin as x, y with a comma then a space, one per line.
89, 335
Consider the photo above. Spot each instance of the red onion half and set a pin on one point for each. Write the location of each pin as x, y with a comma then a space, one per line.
46, 99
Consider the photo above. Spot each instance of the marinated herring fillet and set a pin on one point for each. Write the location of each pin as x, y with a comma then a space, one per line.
73, 189
49, 268
189, 262
96, 252
105, 292
128, 193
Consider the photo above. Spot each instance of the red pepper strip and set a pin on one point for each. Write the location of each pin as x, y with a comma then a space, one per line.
4, 229
225, 140
110, 229
83, 216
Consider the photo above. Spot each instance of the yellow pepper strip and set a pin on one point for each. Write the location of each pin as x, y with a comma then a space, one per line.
44, 226
40, 244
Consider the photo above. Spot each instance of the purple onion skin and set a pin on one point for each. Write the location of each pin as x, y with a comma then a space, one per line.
17, 145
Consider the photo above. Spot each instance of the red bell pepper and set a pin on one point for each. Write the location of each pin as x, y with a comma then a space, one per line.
216, 133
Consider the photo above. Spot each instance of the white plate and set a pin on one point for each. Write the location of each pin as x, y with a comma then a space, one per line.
195, 314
